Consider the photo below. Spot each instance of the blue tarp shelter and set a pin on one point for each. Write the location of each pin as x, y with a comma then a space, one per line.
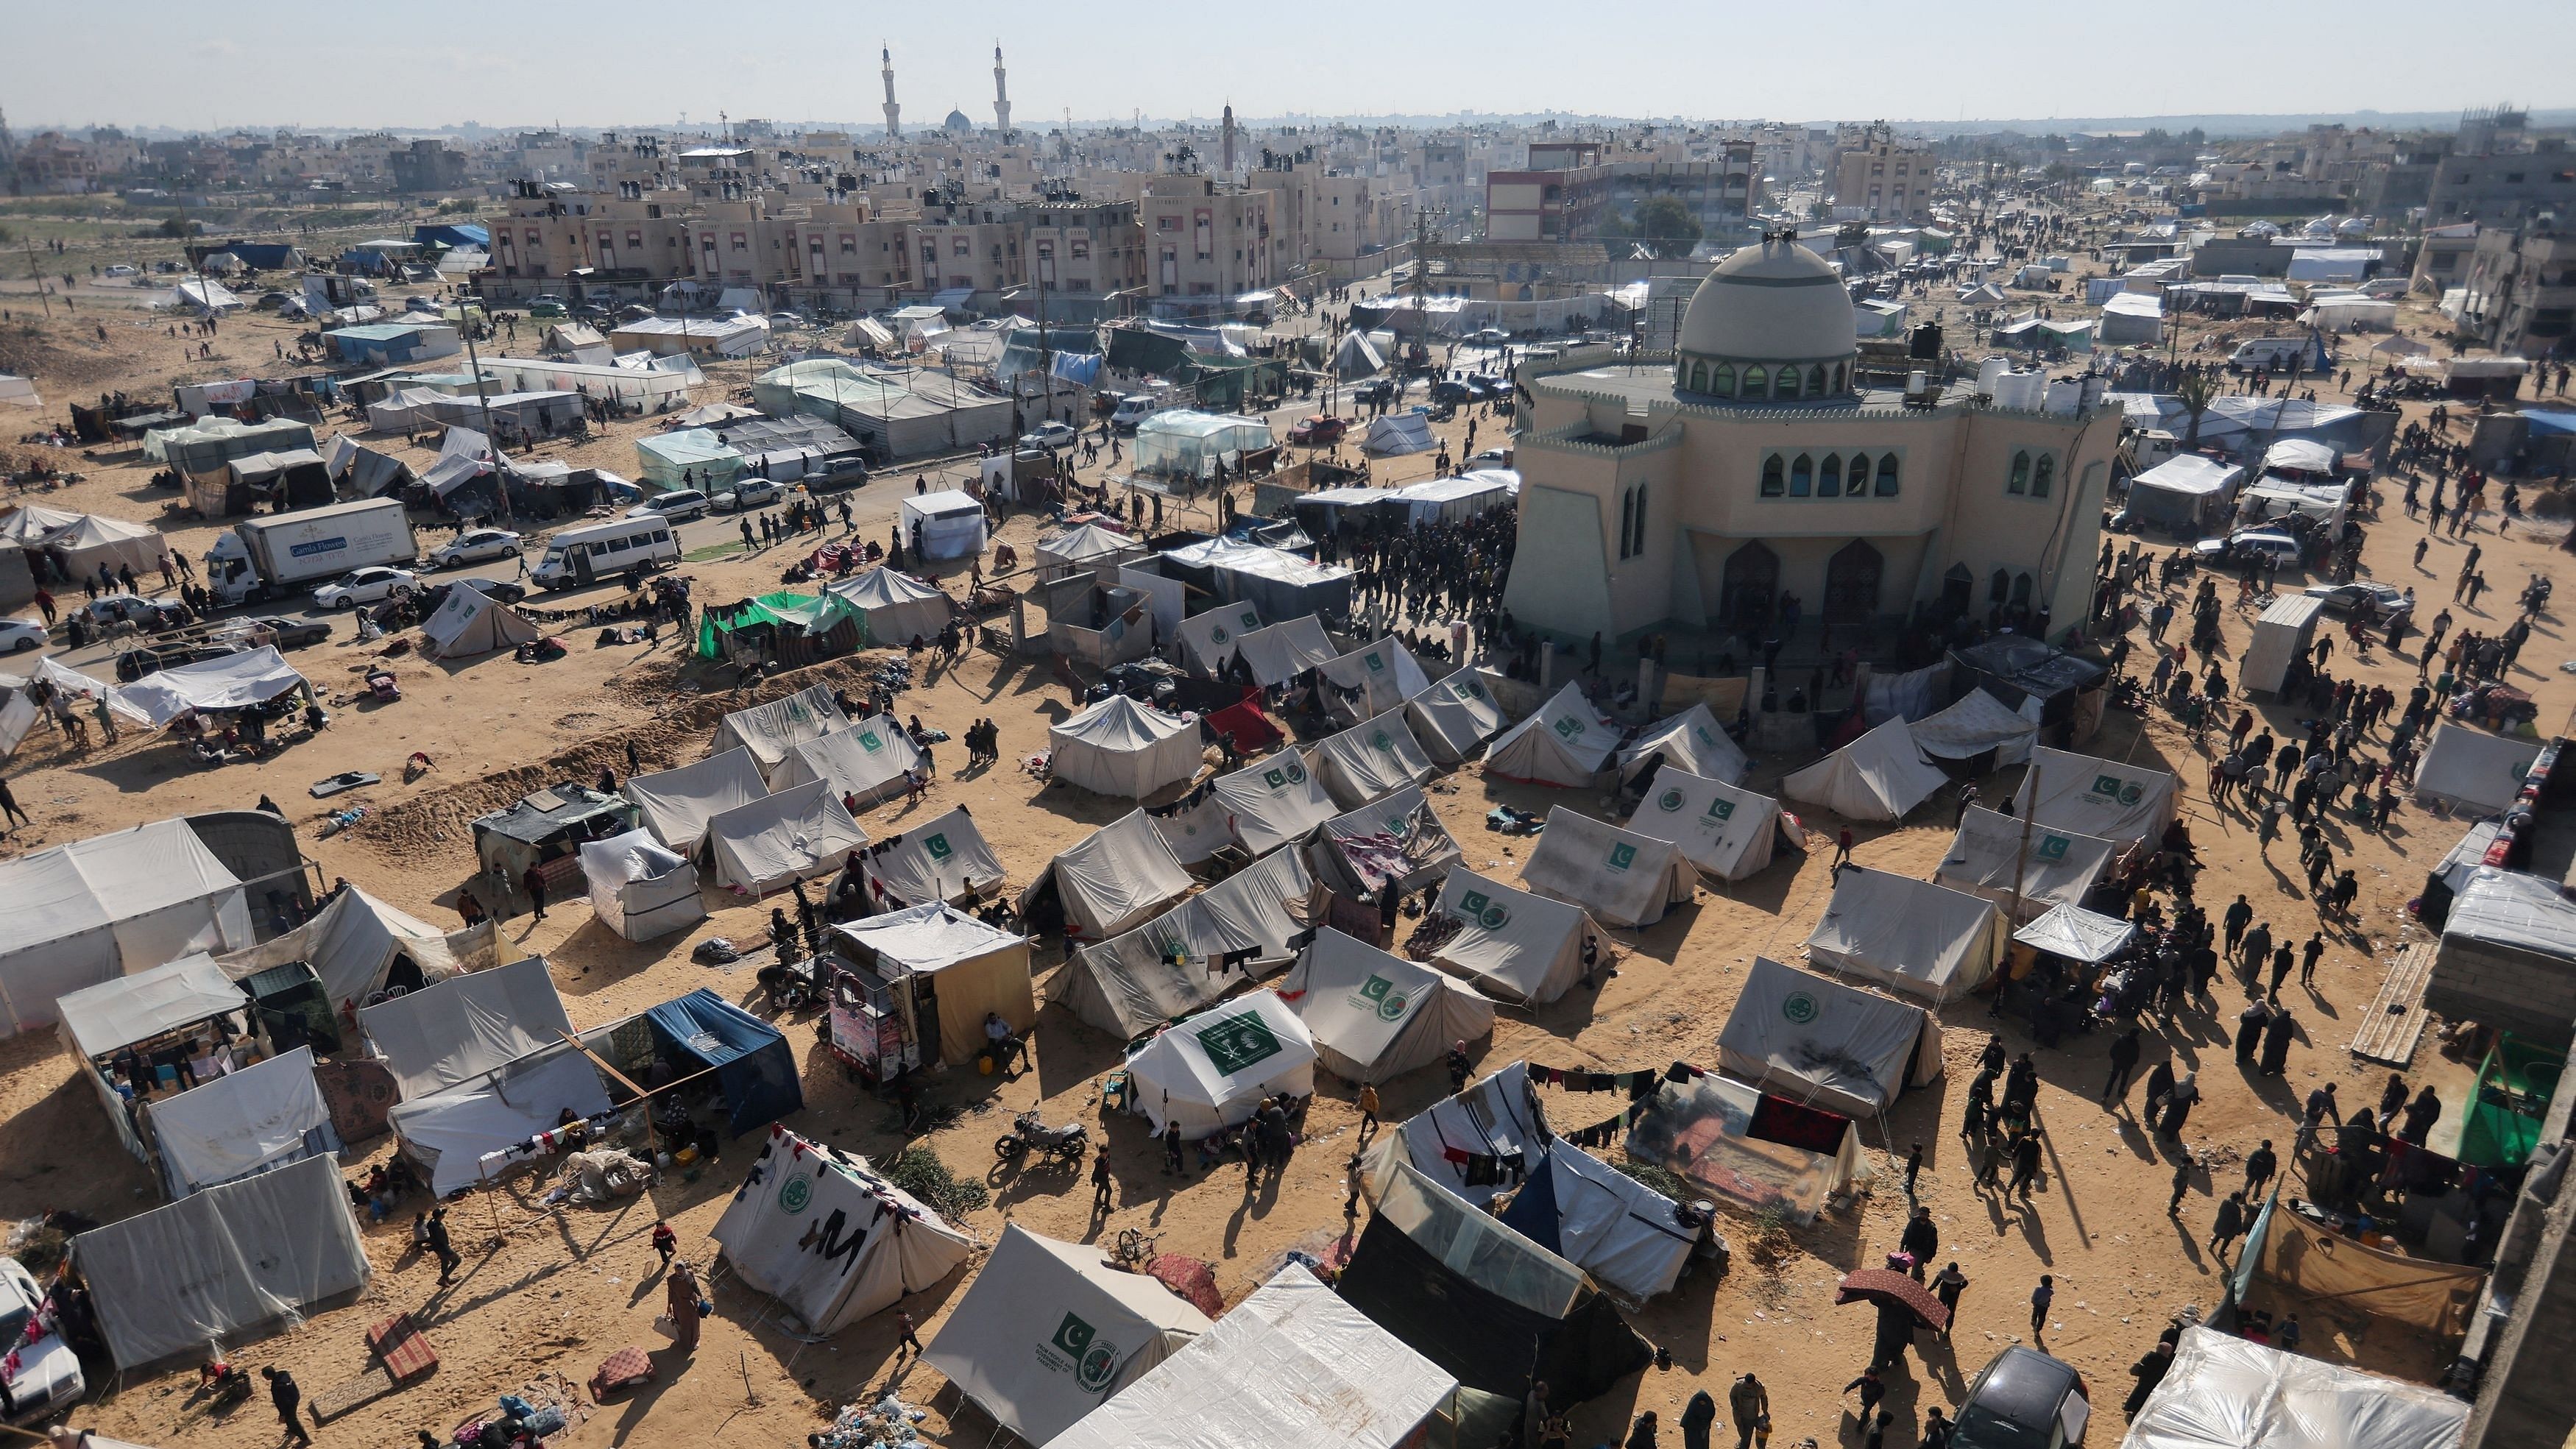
753, 1063
461, 234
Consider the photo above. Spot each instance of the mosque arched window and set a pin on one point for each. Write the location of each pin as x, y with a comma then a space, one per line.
1802, 476
2019, 481
1773, 484
1816, 380
1842, 376
2044, 475
1887, 476
1858, 476
1757, 381
1787, 386
1722, 382
1829, 481
1999, 588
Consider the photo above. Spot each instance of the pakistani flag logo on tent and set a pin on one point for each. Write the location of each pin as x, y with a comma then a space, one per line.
1250, 619
1721, 810
869, 741
1379, 995
795, 1193
1374, 663
1701, 734
1671, 800
1275, 779
1094, 1360
1238, 1042
1622, 856
1476, 906
2052, 847
937, 845
1568, 726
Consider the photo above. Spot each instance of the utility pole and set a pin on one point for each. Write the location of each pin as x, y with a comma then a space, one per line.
483, 402
36, 273
2021, 855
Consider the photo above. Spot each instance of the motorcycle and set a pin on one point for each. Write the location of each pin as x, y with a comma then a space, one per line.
1052, 1144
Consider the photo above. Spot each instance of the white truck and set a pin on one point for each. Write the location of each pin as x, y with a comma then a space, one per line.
271, 557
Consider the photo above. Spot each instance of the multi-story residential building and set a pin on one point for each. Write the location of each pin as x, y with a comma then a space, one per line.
51, 162
1885, 177
1084, 249
427, 165
1561, 195
2521, 289
2499, 188
1205, 246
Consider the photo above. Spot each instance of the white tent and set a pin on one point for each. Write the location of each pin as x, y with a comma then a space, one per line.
2055, 867
2121, 803
1879, 776
772, 731
358, 944
1292, 1367
2226, 1392
91, 540
638, 888
820, 1231
1399, 433
677, 804
947, 524
1243, 927
1725, 831
1049, 1331
1213, 1070
214, 1267
1512, 944
1817, 1040
466, 1026
1124, 749
797, 834
1564, 742
1497, 1115
1209, 640
1396, 837
1626, 1235
1077, 550
469, 622
896, 607
1923, 939
1116, 877
1618, 876
452, 1133
942, 859
1371, 680
2076, 933
1272, 802
1281, 652
2471, 771
1375, 1017
240, 1124
99, 1020
1692, 740
109, 906
1372, 758
231, 681
1974, 723
863, 764
1454, 716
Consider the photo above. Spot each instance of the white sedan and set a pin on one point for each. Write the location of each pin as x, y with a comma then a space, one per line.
1048, 435
364, 586
17, 636
475, 545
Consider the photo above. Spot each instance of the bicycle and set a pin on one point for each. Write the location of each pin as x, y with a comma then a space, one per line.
1135, 1248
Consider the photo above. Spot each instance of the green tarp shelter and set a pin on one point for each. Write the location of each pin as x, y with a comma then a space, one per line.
810, 616
2515, 1084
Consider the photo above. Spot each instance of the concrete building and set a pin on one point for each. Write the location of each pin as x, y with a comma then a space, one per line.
1206, 245
1084, 249
1561, 195
2521, 289
2498, 173
428, 165
1699, 489
1885, 178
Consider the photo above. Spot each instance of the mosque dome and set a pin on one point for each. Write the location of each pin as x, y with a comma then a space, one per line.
1766, 305
958, 121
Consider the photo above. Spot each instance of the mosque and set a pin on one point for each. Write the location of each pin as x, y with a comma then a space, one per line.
1705, 489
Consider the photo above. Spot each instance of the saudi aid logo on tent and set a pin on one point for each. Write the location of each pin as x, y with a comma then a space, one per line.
1381, 996
1480, 908
795, 1193
1800, 1007
1078, 1349
1567, 726
937, 845
1238, 1042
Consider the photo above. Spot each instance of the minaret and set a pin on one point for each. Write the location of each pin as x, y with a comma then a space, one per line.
1001, 96
1229, 142
893, 112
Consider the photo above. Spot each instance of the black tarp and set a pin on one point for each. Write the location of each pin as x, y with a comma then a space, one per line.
1486, 1340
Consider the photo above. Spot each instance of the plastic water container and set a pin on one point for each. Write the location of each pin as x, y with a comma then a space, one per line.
2064, 395
1917, 383
2096, 388
1990, 372
2020, 391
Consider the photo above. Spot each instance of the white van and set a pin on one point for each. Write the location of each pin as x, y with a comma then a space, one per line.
1132, 409
596, 551
2268, 353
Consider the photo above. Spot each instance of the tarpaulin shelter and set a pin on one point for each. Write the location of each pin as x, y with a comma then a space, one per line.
738, 335
1512, 944
2471, 771
1455, 716
1396, 434
2121, 803
948, 524
1371, 680
1375, 1017
1184, 443
1050, 1331
1124, 749
1281, 583
359, 946
2054, 867
466, 1026
639, 888
1213, 1070
677, 804
1692, 740
545, 831
1282, 651
2509, 1106
1114, 878
240, 1124
449, 1135
1372, 758
1923, 939
1454, 499
2507, 944
1087, 546
469, 622
110, 906
687, 458
2286, 1251
896, 607
795, 834
1563, 742
1880, 776
1978, 724
2184, 493
97, 1022
1817, 1040
1243, 927
231, 682
1397, 837
975, 968
90, 540
944, 858
773, 730
289, 479
2227, 1392
1626, 1235
864, 763
1726, 831
787, 628
2077, 934
832, 1240
1272, 802
1293, 1366
216, 1266
1760, 1149
1619, 877
1210, 640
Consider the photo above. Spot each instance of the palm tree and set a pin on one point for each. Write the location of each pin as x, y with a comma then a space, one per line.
2196, 389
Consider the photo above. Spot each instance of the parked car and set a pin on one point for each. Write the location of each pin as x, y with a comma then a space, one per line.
678, 506
288, 633
1132, 409
1488, 337
746, 493
2025, 1399
17, 636
549, 307
149, 615
1321, 430
1048, 435
475, 545
47, 1378
1375, 390
2384, 601
846, 471
133, 664
1491, 458
365, 586
1451, 390
500, 591
2251, 541
120, 270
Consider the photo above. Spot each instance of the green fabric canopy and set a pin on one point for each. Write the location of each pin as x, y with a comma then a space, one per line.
811, 614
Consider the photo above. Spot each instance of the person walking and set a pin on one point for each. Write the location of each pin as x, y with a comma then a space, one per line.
2025, 1165
2249, 1030
1699, 1416
1843, 843
2124, 1061
441, 1248
1947, 1285
2149, 1371
1100, 1186
283, 1393
2260, 1164
1172, 1145
2040, 1298
907, 1335
1368, 1109
1921, 1239
665, 1242
9, 808
2183, 1166
680, 1299
534, 883
2229, 1226
1872, 1389
1750, 1402
1913, 1170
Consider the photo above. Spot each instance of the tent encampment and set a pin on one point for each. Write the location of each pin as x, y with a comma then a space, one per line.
1213, 1070
449, 1134
1879, 776
1371, 680
1114, 878
677, 804
1372, 758
1454, 716
2223, 1391
640, 889
1281, 652
1725, 831
1272, 802
1397, 837
1049, 1331
1124, 749
1243, 927
976, 969
941, 859
773, 730
2471, 771
359, 946
820, 1231
240, 1124
1925, 940
2052, 866
1692, 740
469, 622
1974, 724
466, 1026
1375, 1017
1209, 640
1512, 944
771, 843
2120, 803
1809, 1037
896, 607
110, 906
1764, 1150
1087, 546
869, 761
1564, 742
1619, 877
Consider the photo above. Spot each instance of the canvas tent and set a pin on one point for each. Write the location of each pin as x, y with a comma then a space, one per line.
1879, 776
640, 889
2077, 934
1761, 1149
1725, 831
942, 859
1818, 1040
771, 731
863, 764
1976, 723
466, 1026
449, 1134
1375, 1017
1454, 716
181, 1281
1124, 749
1370, 759
469, 622
1618, 876
1497, 1115
1281, 652
1082, 548
359, 946
109, 906
1564, 742
820, 1231
2471, 771
2227, 1392
1116, 877
1272, 802
1210, 640
1399, 433
2184, 494
1239, 929
1371, 680
2121, 803
1692, 740
797, 834
231, 681
1925, 940
1396, 837
677, 804
975, 968
947, 524
240, 1124
1213, 1070
1992, 850
91, 540
1513, 945
1628, 1236
1050, 1331
896, 608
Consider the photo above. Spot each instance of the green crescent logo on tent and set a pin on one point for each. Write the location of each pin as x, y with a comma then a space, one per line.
1670, 800
1721, 809
2106, 785
1073, 1335
1800, 1007
1568, 726
1374, 663
795, 1193
1622, 856
1382, 742
1396, 825
2052, 847
937, 845
1217, 634
1296, 772
1701, 734
869, 742
1379, 995
1238, 1042
1251, 620
1480, 908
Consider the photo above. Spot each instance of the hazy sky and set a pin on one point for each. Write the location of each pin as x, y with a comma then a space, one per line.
644, 62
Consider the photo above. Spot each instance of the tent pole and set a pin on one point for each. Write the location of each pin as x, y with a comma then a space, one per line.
2021, 855
651, 1136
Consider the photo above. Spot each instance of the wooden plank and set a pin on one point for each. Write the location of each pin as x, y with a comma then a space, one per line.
339, 1399
2389, 1030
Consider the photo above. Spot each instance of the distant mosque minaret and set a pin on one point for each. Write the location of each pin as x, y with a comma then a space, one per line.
893, 112
1001, 96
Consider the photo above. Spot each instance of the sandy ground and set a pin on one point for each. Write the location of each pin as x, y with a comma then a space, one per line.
558, 1291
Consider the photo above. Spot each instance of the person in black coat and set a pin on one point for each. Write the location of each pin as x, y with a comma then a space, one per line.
2149, 1372
1698, 1417
2160, 1085
2276, 1041
2249, 1030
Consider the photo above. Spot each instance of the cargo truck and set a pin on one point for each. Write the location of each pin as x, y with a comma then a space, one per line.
271, 557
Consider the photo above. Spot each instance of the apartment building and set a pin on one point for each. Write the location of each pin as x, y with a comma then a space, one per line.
1561, 195
2521, 297
1206, 245
1885, 177
1085, 248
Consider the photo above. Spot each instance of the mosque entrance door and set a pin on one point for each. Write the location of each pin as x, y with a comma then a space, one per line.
1958, 592
1851, 583
1752, 581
